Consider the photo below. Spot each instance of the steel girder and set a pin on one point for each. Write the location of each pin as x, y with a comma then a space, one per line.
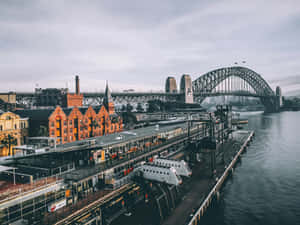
207, 82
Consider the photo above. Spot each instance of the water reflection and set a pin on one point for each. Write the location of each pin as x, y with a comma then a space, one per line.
265, 188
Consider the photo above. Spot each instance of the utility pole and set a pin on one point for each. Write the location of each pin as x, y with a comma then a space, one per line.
213, 145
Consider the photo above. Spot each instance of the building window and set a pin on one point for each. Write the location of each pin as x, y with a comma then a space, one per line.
52, 124
15, 126
65, 122
71, 130
52, 132
70, 122
1, 128
65, 138
65, 130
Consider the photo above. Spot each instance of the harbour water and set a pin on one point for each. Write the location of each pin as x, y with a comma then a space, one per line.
265, 188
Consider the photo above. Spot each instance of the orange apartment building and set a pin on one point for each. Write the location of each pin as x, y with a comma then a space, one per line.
80, 123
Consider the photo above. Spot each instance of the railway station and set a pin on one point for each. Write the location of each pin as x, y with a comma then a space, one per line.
120, 169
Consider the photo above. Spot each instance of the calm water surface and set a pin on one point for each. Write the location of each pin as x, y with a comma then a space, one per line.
265, 188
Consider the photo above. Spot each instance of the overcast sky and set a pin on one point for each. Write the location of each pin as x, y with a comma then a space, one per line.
138, 43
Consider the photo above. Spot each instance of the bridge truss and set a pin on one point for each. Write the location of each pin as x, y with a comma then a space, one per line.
239, 81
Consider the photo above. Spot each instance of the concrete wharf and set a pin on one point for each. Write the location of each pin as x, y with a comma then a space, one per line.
215, 191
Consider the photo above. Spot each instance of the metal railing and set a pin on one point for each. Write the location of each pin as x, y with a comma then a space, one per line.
14, 191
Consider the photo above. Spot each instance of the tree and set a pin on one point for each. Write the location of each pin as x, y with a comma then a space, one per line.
153, 106
129, 107
43, 131
8, 141
139, 107
123, 108
129, 118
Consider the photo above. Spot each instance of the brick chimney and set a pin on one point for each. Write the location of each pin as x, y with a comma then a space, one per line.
77, 85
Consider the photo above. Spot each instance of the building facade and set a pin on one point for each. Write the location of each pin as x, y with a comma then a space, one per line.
81, 123
50, 96
54, 96
8, 101
171, 86
186, 89
13, 130
75, 99
75, 123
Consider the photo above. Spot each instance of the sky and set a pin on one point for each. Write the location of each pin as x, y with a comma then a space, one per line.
138, 43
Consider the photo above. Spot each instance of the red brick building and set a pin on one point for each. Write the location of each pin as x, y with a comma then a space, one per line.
61, 97
76, 123
75, 99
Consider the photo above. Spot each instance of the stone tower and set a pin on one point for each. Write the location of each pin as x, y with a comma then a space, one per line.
108, 101
171, 86
186, 89
77, 85
279, 96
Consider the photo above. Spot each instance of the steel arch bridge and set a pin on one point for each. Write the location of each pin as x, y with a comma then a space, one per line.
206, 85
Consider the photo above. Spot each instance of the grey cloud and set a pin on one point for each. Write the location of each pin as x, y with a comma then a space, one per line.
137, 44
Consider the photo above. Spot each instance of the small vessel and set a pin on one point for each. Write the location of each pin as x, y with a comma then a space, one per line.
128, 214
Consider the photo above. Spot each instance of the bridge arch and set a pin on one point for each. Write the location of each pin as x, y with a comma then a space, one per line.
205, 84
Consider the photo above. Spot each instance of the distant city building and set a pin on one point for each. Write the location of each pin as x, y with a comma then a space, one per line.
50, 96
279, 96
13, 130
186, 88
76, 123
171, 86
55, 96
128, 90
8, 101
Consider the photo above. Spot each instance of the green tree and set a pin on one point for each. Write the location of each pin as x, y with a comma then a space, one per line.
43, 131
139, 107
153, 106
123, 108
129, 107
129, 118
8, 141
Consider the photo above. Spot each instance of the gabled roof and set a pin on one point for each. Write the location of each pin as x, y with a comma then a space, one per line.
97, 108
83, 110
67, 111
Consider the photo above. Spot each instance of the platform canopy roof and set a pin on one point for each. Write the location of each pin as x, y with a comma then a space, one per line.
5, 168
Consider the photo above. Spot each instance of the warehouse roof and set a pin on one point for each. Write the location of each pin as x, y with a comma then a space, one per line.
121, 137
